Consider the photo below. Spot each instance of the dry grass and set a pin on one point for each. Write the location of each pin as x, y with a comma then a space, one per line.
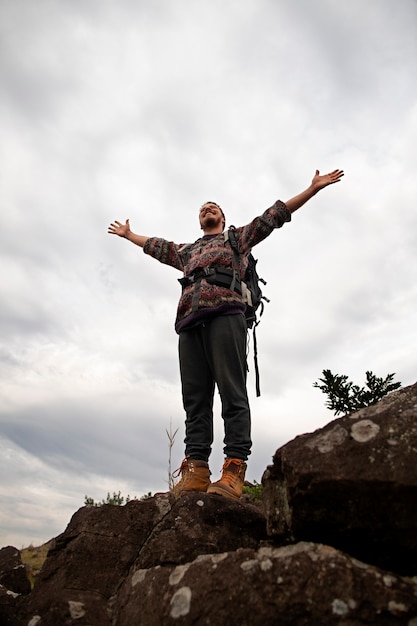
33, 558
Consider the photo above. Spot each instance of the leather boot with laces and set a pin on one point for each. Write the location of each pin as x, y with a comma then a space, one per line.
195, 476
232, 480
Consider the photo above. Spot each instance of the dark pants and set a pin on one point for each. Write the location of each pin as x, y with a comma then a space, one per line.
215, 353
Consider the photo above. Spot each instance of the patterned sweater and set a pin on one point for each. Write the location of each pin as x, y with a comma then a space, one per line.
214, 251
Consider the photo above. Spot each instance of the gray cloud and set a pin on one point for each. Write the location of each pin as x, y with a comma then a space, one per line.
146, 110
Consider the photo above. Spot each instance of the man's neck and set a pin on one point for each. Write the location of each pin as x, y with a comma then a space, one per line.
216, 230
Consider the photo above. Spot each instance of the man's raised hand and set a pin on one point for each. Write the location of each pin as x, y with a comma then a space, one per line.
117, 228
319, 181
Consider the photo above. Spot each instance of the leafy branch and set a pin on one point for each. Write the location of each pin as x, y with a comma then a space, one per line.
343, 396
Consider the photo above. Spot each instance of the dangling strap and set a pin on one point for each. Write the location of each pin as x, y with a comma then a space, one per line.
255, 358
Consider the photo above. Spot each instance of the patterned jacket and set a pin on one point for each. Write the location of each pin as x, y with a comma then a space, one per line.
214, 251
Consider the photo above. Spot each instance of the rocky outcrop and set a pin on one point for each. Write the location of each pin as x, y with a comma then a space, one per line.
352, 484
335, 542
12, 571
104, 546
14, 583
304, 583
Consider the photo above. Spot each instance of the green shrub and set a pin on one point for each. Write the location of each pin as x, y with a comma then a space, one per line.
254, 491
345, 397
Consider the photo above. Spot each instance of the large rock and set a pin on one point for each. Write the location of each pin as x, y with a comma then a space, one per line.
303, 584
202, 524
12, 571
102, 540
14, 584
92, 558
352, 484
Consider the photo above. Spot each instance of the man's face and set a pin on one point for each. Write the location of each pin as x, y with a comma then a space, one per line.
211, 216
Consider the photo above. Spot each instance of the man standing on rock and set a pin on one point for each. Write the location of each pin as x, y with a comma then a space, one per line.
212, 334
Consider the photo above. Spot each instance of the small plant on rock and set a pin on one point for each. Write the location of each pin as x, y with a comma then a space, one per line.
253, 491
345, 397
116, 499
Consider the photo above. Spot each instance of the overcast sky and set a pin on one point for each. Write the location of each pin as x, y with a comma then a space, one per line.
147, 109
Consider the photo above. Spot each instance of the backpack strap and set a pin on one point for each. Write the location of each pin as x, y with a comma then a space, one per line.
229, 236
185, 251
255, 359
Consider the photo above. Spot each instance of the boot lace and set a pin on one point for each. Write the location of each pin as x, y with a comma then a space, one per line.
183, 469
230, 476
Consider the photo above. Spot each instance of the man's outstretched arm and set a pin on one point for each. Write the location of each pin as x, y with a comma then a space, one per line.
123, 230
318, 183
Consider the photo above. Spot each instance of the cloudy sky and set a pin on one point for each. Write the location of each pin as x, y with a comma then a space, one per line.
145, 110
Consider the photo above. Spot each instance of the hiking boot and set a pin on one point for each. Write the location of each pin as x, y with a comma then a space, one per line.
195, 476
231, 482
